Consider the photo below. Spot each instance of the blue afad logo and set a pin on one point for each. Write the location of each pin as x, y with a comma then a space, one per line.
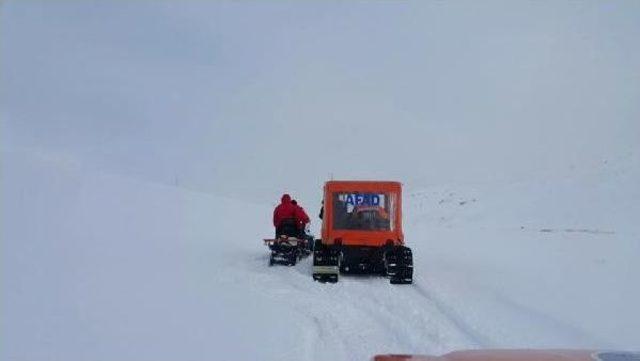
365, 199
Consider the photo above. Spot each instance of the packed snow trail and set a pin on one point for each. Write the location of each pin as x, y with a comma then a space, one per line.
98, 266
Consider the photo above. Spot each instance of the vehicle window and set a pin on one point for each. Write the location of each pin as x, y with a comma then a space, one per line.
363, 211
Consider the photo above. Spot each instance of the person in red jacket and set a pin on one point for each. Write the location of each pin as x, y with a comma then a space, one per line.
301, 216
303, 219
284, 217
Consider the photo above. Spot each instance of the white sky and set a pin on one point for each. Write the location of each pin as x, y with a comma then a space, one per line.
252, 98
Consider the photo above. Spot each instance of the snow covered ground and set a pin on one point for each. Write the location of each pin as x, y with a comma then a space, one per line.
144, 144
103, 267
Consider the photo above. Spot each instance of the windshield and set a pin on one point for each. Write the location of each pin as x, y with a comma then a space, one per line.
363, 211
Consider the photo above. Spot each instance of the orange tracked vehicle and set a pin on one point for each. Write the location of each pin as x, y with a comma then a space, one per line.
362, 232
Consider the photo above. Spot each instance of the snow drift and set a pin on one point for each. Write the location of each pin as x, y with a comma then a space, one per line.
103, 267
113, 114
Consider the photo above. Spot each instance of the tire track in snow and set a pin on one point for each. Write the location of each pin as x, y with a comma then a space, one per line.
354, 318
538, 319
475, 337
388, 310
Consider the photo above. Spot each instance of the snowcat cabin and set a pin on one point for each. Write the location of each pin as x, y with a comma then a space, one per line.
363, 213
362, 232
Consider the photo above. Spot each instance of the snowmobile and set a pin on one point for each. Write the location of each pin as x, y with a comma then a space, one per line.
362, 232
289, 246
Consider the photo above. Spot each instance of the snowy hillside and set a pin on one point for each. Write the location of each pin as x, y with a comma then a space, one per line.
542, 263
144, 144
98, 267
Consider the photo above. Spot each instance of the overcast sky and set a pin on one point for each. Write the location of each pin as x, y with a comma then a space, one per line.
253, 98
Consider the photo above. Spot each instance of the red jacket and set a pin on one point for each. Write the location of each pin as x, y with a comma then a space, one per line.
301, 217
284, 210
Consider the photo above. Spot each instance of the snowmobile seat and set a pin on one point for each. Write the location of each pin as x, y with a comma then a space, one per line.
288, 227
